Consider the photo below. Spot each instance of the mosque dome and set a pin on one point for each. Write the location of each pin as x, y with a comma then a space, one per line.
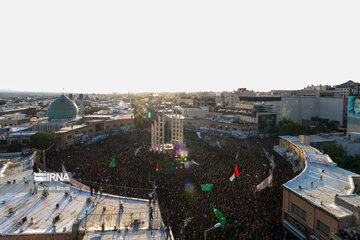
62, 108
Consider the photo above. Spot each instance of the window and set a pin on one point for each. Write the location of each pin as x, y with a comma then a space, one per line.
298, 212
323, 228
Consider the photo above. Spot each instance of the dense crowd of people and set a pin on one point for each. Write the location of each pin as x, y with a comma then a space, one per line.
248, 215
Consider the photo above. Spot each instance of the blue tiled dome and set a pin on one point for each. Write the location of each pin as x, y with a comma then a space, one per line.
62, 108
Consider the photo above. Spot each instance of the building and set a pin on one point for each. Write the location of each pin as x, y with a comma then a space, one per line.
305, 109
19, 135
320, 202
204, 101
353, 120
61, 112
14, 119
68, 136
30, 111
265, 109
311, 110
321, 90
348, 88
83, 133
230, 125
202, 111
54, 210
352, 143
70, 129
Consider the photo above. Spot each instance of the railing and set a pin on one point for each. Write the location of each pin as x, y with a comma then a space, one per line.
122, 220
15, 167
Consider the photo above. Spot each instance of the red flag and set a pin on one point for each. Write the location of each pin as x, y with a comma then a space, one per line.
236, 171
157, 168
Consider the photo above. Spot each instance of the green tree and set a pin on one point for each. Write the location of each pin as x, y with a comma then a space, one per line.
2, 102
338, 155
139, 120
292, 128
14, 147
42, 140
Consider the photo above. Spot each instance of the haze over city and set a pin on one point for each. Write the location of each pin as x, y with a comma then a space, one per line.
142, 46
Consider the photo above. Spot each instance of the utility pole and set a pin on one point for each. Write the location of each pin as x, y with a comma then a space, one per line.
44, 160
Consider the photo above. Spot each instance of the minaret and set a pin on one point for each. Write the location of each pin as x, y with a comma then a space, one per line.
81, 97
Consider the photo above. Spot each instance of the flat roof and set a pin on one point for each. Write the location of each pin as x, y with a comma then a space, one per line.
124, 116
195, 109
321, 180
260, 98
43, 210
73, 127
353, 199
155, 234
23, 133
317, 138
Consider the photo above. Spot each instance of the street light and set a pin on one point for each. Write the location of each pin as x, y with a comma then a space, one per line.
215, 226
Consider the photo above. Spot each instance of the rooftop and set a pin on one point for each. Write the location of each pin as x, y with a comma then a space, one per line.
23, 133
349, 83
40, 212
321, 180
71, 128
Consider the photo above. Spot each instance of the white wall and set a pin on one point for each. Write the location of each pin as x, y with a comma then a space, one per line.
299, 108
332, 108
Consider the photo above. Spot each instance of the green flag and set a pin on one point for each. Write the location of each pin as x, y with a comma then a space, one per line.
143, 177
113, 163
220, 218
206, 187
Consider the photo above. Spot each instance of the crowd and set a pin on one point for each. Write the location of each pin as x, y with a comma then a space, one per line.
249, 215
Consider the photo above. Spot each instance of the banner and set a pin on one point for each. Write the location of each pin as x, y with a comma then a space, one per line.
206, 187
266, 183
199, 134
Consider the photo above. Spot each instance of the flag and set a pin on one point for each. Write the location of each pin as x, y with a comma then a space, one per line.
220, 217
113, 163
187, 221
206, 187
143, 177
157, 169
238, 159
235, 175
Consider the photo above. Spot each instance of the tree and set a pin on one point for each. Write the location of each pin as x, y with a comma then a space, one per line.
139, 120
14, 147
2, 102
338, 155
292, 128
42, 140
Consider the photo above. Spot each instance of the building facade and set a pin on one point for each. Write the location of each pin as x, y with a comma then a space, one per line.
320, 202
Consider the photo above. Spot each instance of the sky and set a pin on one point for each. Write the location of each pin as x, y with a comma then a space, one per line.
188, 45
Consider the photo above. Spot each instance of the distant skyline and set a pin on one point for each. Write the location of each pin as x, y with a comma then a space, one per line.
166, 46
